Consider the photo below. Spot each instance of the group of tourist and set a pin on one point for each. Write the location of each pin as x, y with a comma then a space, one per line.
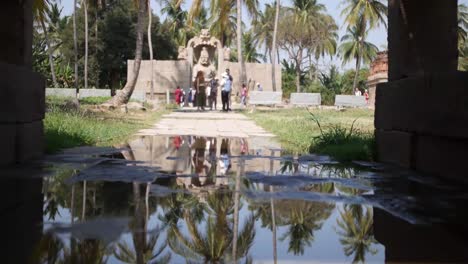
207, 93
358, 92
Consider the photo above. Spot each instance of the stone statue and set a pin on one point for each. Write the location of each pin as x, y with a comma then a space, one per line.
227, 53
182, 53
204, 65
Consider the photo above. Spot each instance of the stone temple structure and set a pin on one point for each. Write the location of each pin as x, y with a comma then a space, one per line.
203, 52
378, 74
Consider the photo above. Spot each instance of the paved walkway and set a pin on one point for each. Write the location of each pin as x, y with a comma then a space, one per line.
209, 124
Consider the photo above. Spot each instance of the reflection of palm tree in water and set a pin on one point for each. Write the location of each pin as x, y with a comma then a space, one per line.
303, 218
356, 231
214, 244
144, 248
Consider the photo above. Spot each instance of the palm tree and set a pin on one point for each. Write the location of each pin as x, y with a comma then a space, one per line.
150, 46
371, 12
250, 49
239, 42
177, 18
263, 29
75, 48
40, 9
123, 96
356, 232
223, 20
355, 46
360, 15
85, 9
275, 33
304, 27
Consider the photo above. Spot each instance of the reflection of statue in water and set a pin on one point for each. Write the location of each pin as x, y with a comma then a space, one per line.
204, 65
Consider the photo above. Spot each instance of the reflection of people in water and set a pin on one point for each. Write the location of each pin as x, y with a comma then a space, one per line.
201, 165
177, 142
244, 147
224, 162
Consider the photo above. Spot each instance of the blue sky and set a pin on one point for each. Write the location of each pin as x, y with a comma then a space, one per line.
377, 36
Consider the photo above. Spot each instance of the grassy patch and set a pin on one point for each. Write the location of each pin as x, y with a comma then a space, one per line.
68, 128
299, 133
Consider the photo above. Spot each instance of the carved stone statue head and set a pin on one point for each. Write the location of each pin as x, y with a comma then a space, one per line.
205, 35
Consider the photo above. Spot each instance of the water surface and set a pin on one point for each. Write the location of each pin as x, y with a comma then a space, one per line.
187, 199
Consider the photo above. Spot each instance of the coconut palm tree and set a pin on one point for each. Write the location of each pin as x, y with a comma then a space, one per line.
263, 29
150, 46
85, 10
354, 46
356, 231
371, 12
223, 20
275, 35
41, 9
177, 18
250, 48
75, 48
123, 96
303, 28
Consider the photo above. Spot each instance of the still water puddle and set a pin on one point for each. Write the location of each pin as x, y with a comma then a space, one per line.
184, 199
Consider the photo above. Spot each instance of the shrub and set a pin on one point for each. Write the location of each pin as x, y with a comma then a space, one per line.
343, 144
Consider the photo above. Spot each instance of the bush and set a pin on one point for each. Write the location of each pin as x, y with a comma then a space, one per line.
344, 144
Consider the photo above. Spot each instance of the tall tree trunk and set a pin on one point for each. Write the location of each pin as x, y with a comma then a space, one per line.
85, 7
49, 51
123, 96
273, 48
239, 43
235, 231
150, 47
298, 72
356, 75
75, 47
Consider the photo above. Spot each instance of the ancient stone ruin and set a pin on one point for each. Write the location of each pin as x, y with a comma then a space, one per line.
202, 53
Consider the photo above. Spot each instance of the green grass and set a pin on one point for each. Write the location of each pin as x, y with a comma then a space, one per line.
299, 133
67, 128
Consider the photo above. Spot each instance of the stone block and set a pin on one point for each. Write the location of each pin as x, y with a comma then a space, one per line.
22, 94
443, 157
265, 98
350, 101
306, 99
435, 104
29, 141
394, 147
7, 143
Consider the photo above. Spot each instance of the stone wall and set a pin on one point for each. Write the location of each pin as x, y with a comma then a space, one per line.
69, 92
257, 72
167, 75
170, 74
421, 123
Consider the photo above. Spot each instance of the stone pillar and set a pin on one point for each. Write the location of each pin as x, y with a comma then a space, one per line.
421, 113
22, 92
422, 37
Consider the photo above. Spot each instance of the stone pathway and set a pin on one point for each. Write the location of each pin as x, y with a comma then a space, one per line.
209, 124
